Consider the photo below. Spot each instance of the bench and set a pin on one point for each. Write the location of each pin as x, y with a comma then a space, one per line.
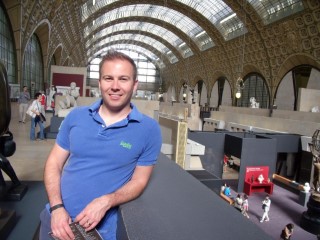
226, 198
303, 196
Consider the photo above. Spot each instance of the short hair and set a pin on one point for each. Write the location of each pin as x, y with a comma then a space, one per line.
37, 95
115, 55
290, 226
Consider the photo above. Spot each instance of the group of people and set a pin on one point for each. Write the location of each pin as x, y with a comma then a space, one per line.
241, 203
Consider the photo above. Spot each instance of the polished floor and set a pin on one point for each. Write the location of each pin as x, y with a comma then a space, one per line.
30, 156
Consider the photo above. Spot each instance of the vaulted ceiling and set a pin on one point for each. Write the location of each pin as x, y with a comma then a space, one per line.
164, 31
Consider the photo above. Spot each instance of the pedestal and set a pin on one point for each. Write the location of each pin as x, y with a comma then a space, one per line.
16, 193
310, 220
7, 222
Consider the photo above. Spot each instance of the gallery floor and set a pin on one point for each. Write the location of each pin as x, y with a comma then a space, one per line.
30, 156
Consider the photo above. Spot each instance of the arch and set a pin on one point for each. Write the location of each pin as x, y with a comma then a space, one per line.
201, 93
221, 93
293, 61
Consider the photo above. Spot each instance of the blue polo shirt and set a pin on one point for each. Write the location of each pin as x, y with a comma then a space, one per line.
103, 158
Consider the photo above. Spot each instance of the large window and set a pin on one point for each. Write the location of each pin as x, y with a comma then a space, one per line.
7, 50
33, 66
254, 86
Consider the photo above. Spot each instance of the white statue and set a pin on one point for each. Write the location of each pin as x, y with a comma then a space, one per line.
260, 178
315, 109
254, 103
71, 97
50, 99
306, 187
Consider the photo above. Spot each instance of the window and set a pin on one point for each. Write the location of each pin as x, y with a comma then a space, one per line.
33, 66
254, 86
7, 51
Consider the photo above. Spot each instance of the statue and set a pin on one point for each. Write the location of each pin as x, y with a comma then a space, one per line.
260, 178
306, 187
7, 145
71, 97
310, 220
254, 103
50, 99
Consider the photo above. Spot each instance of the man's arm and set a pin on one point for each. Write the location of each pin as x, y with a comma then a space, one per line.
95, 211
60, 219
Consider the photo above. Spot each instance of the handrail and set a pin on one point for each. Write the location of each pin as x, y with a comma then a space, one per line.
288, 182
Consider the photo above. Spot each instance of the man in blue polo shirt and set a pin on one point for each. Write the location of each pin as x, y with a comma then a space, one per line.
111, 149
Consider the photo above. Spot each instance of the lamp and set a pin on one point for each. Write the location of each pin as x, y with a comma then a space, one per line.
239, 86
239, 82
238, 94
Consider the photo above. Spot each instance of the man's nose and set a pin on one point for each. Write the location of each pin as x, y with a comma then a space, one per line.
115, 84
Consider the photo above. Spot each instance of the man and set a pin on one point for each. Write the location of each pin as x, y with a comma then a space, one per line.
23, 101
110, 152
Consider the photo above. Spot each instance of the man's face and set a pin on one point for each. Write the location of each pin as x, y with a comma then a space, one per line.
25, 89
117, 84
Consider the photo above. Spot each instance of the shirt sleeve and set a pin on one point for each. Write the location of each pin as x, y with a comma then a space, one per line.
153, 144
63, 134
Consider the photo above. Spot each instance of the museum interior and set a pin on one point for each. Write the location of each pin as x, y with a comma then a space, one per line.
234, 86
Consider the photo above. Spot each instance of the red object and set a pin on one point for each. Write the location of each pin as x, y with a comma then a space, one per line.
258, 187
43, 100
251, 183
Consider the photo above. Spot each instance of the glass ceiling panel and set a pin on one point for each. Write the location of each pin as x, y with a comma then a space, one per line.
134, 37
214, 10
274, 10
218, 13
154, 58
168, 15
169, 36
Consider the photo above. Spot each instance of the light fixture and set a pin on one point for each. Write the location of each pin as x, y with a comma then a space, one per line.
184, 95
239, 86
239, 82
238, 94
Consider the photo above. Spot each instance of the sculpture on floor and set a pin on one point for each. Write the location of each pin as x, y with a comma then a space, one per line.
7, 145
310, 220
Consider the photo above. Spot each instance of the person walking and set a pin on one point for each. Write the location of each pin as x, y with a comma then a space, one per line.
266, 203
245, 206
103, 156
23, 102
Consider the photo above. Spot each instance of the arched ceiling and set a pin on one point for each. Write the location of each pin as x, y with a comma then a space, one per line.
165, 31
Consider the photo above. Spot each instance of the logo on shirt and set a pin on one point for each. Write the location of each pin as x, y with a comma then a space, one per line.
125, 145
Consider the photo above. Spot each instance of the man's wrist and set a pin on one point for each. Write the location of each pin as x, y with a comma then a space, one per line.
60, 205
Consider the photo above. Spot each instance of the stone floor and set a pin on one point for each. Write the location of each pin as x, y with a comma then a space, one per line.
30, 156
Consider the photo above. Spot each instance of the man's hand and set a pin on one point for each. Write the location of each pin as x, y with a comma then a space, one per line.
92, 214
60, 221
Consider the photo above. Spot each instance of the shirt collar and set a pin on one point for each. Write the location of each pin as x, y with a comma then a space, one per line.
134, 115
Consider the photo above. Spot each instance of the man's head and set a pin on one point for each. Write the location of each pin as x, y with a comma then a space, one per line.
25, 88
115, 55
117, 81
